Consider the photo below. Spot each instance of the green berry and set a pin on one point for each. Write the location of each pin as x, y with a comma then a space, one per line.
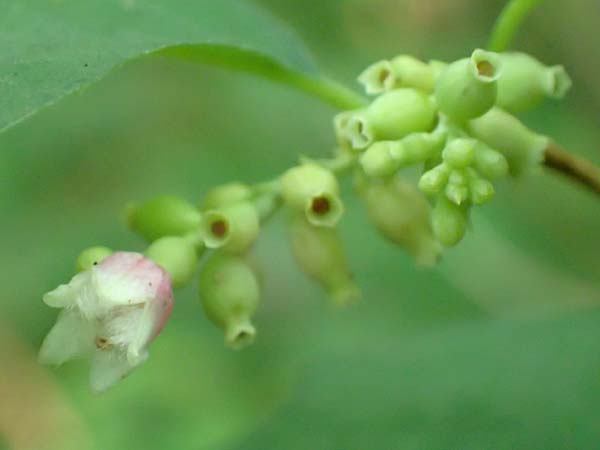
398, 113
525, 82
500, 130
377, 160
467, 88
230, 295
402, 215
177, 256
226, 194
417, 147
164, 216
319, 253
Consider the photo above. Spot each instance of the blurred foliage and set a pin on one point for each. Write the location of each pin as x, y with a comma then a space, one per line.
495, 349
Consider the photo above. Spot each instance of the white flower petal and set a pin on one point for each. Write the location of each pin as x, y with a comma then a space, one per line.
70, 337
110, 367
126, 278
67, 294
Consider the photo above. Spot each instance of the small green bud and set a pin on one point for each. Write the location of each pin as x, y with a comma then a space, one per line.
410, 72
226, 194
480, 190
417, 147
460, 153
91, 257
378, 77
434, 180
378, 161
467, 88
313, 190
457, 189
502, 131
319, 253
230, 295
398, 113
490, 163
525, 82
402, 215
177, 256
449, 221
164, 216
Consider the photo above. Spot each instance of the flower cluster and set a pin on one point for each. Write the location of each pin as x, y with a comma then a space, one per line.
453, 120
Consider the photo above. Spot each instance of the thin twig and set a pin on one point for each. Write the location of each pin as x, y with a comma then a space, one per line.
573, 166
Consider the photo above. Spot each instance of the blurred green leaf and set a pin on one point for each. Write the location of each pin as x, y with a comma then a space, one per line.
478, 385
54, 48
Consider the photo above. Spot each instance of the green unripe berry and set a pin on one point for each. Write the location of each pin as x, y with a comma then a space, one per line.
177, 256
233, 228
410, 72
449, 221
226, 194
525, 82
490, 163
91, 256
319, 253
164, 216
398, 113
377, 160
434, 180
230, 295
402, 215
467, 88
502, 131
460, 153
417, 147
314, 191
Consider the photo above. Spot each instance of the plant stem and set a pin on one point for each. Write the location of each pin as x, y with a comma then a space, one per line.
508, 23
573, 166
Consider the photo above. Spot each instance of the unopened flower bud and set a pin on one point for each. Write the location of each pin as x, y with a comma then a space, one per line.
91, 257
313, 190
417, 147
377, 160
467, 88
164, 216
400, 112
449, 221
502, 131
525, 82
378, 77
177, 256
457, 189
460, 153
235, 227
480, 190
225, 194
230, 295
319, 253
402, 214
435, 179
411, 72
490, 163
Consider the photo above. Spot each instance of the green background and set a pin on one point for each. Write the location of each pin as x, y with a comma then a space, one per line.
497, 348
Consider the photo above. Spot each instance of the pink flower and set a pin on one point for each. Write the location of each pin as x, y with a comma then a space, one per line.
110, 313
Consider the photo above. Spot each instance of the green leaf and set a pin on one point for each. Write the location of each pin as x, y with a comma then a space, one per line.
51, 49
491, 385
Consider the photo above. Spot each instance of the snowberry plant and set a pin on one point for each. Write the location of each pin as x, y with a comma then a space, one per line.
454, 121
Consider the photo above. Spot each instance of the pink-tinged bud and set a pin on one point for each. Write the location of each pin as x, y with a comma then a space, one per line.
111, 313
